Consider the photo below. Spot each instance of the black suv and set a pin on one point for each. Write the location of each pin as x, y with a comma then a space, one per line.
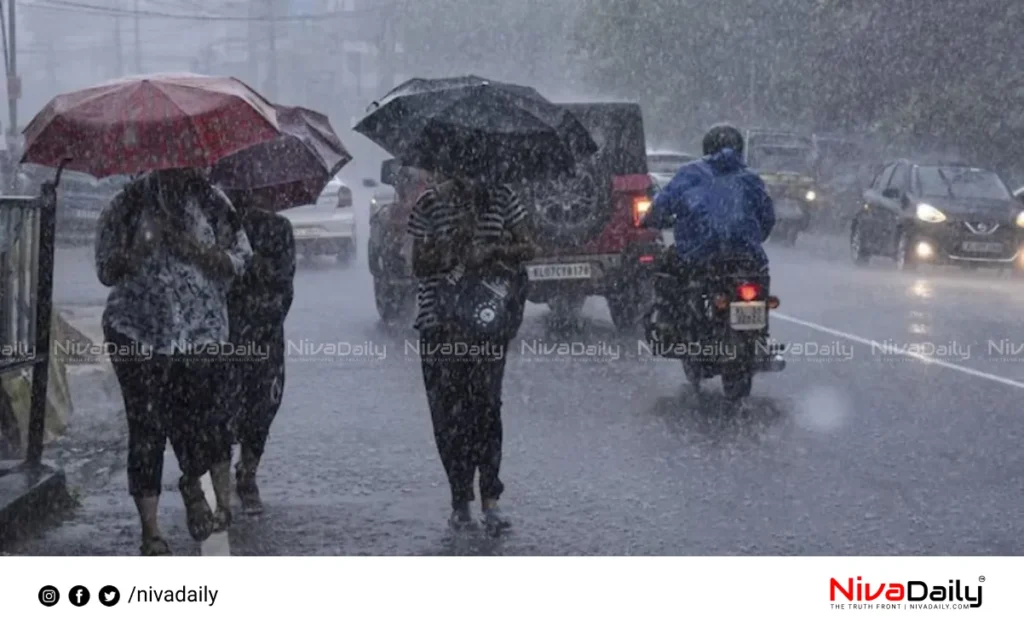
939, 214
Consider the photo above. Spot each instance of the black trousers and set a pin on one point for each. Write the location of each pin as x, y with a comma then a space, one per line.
167, 398
463, 387
256, 387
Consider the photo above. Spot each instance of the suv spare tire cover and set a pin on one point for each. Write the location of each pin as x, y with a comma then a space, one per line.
572, 211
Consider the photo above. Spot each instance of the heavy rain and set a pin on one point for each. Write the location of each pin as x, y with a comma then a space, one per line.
486, 277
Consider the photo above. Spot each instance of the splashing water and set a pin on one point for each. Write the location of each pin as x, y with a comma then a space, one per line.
823, 409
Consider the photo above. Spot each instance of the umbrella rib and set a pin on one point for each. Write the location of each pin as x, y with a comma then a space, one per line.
479, 90
192, 126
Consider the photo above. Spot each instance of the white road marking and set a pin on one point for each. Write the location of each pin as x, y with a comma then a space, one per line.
218, 544
928, 360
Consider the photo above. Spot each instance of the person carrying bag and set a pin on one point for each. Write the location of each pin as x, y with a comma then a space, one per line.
469, 244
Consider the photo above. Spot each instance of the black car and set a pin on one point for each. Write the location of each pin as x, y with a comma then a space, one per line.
938, 214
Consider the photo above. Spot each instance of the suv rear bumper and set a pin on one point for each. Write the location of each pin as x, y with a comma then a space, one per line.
610, 273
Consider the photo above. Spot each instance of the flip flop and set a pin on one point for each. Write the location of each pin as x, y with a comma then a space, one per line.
155, 546
201, 522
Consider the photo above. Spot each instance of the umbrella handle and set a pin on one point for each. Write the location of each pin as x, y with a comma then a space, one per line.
60, 170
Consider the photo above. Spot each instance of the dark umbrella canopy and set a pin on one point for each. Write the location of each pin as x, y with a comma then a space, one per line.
479, 128
291, 170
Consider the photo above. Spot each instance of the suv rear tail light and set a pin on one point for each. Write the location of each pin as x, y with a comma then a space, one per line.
748, 291
641, 207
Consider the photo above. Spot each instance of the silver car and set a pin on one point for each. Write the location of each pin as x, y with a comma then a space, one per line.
327, 227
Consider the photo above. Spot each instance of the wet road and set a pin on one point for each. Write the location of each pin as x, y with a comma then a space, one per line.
853, 450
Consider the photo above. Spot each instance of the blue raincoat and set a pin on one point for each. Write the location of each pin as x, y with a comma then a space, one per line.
718, 208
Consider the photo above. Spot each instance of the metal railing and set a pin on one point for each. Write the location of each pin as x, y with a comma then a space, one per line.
27, 226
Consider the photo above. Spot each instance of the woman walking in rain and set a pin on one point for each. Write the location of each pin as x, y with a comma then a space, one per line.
258, 304
169, 245
456, 226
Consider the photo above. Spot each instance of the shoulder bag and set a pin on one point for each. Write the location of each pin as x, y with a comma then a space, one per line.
481, 304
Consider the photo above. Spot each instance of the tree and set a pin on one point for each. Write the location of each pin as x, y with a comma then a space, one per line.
922, 70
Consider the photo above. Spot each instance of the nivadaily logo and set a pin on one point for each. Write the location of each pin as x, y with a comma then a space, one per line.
913, 594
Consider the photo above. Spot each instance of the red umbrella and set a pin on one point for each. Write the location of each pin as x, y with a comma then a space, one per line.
291, 170
148, 122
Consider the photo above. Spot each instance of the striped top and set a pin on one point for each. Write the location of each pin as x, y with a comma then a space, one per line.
440, 212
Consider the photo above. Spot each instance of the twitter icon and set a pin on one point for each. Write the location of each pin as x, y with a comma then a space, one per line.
109, 596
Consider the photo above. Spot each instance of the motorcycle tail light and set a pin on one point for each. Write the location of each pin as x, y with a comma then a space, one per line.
748, 291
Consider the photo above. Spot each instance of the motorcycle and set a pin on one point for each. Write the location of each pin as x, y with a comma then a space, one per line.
720, 328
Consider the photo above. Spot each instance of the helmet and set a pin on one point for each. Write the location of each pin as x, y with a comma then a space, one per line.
723, 136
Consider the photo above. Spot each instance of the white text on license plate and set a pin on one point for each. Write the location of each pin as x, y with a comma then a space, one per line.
543, 272
982, 247
749, 315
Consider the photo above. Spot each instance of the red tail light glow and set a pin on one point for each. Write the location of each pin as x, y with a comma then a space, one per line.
641, 207
647, 259
748, 291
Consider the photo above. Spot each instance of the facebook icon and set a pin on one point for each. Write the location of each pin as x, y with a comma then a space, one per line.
79, 596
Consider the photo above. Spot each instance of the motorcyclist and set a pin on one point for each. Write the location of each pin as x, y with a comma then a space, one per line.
717, 209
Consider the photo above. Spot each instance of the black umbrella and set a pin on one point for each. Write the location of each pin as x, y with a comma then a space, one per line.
474, 127
291, 170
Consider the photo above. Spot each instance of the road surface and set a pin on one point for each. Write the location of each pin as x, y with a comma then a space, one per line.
909, 446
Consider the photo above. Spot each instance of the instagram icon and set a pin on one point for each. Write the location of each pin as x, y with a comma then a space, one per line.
49, 596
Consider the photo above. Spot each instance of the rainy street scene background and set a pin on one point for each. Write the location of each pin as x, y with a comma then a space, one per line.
862, 398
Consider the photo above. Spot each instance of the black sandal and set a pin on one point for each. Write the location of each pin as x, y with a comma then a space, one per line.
248, 492
200, 518
221, 519
154, 546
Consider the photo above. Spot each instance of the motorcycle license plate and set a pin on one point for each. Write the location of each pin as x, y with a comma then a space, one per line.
668, 237
748, 315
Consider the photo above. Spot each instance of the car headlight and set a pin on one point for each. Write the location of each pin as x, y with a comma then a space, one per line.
1020, 219
928, 213
811, 196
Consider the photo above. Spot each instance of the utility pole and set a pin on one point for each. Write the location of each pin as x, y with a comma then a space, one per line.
13, 81
271, 89
51, 64
138, 40
253, 55
385, 53
118, 46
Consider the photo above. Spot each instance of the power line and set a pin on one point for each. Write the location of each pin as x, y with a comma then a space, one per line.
93, 9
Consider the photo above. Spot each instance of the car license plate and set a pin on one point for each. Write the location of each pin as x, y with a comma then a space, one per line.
991, 248
82, 214
306, 232
544, 272
788, 209
748, 315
